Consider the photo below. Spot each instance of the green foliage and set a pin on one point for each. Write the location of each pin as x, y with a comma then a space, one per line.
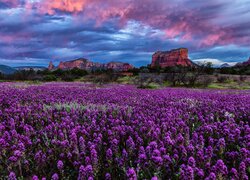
50, 78
149, 86
78, 72
1, 76
58, 72
68, 78
222, 79
135, 71
240, 70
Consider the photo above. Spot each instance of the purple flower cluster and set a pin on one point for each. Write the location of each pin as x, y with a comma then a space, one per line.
79, 131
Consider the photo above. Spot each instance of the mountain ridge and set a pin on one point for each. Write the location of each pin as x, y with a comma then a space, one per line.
4, 69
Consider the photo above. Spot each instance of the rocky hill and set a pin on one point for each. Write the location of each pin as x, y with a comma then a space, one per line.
171, 58
85, 64
246, 63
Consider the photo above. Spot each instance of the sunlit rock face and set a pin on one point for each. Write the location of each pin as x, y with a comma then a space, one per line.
171, 58
51, 66
80, 64
89, 65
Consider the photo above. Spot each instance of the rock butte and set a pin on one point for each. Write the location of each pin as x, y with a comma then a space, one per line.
89, 65
171, 58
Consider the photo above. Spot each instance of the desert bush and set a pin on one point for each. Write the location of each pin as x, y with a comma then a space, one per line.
1, 76
222, 79
50, 78
105, 78
243, 78
143, 82
205, 81
68, 77
78, 72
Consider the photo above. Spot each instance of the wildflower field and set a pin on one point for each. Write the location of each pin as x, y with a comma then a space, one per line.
79, 131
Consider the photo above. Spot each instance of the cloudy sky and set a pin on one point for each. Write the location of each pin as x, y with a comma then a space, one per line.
33, 32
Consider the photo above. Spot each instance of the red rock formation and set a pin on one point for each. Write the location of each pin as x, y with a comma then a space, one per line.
127, 66
78, 63
171, 58
118, 66
51, 66
89, 65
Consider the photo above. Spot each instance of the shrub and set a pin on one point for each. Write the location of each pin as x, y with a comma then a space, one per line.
206, 81
222, 79
68, 78
50, 78
243, 78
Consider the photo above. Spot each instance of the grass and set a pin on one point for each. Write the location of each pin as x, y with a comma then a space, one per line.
229, 85
125, 80
153, 86
215, 86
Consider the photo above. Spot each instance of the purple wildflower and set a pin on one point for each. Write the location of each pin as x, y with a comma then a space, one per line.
60, 165
131, 174
55, 177
12, 176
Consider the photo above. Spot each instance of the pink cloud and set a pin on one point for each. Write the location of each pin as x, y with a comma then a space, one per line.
11, 38
212, 39
186, 20
7, 38
71, 6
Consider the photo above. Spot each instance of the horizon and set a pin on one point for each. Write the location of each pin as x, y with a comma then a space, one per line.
39, 31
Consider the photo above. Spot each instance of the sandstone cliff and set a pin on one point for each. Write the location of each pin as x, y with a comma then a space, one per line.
80, 64
89, 65
171, 58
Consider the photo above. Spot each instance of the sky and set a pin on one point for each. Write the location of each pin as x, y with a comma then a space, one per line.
34, 32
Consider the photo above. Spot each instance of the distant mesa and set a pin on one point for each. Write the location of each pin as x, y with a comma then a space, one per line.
87, 65
174, 57
246, 63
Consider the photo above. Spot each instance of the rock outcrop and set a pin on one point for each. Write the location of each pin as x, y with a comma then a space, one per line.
118, 66
175, 57
51, 66
246, 63
89, 65
80, 64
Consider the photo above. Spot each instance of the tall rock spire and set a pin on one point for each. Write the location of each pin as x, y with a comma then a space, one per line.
51, 66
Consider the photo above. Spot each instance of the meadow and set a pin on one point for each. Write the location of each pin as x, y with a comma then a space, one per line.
82, 131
